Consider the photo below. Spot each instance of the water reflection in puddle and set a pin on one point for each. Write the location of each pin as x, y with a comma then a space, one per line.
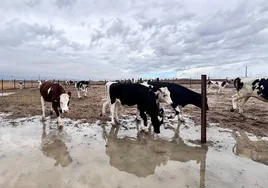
35, 154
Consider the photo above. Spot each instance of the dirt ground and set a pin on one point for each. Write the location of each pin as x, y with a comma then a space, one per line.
26, 102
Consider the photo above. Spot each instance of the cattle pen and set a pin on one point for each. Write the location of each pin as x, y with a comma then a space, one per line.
88, 141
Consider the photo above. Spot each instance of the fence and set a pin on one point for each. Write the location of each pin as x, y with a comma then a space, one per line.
24, 84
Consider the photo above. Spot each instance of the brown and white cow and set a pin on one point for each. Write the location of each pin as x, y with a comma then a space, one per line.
55, 93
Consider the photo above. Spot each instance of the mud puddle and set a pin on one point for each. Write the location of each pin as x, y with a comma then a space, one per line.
37, 154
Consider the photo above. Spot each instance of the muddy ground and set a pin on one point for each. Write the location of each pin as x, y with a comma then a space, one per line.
26, 102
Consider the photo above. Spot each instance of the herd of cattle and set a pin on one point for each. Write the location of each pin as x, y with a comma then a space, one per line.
149, 95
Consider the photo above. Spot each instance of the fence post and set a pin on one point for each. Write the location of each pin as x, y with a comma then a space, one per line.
157, 79
32, 83
190, 82
24, 86
2, 85
14, 83
203, 109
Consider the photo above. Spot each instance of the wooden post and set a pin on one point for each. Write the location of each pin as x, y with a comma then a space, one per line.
14, 84
32, 83
2, 85
157, 79
203, 109
24, 84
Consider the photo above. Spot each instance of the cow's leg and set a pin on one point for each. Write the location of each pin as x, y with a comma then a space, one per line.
112, 111
208, 88
241, 106
85, 91
104, 105
51, 110
137, 114
116, 111
235, 98
144, 118
220, 89
58, 116
43, 108
78, 94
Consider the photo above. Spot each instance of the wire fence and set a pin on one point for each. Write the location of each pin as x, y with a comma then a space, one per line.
26, 84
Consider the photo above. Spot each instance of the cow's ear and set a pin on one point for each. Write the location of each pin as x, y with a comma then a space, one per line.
69, 93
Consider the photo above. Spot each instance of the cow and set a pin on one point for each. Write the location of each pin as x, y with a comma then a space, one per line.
249, 87
180, 96
163, 96
83, 86
131, 94
70, 82
55, 93
220, 85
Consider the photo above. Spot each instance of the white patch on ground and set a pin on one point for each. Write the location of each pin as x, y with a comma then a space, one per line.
2, 94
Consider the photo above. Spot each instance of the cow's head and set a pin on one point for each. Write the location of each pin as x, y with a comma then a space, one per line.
197, 101
164, 95
63, 102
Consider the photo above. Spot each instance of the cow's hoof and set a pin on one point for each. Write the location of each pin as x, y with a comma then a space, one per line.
232, 110
43, 118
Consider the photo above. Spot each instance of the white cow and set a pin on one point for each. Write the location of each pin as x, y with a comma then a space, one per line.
249, 87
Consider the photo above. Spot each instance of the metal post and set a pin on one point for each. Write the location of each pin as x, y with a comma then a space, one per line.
203, 109
190, 82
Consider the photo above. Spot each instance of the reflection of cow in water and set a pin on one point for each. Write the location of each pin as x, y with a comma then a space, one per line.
53, 146
254, 150
141, 155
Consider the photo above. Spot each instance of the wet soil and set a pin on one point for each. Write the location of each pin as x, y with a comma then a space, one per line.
82, 154
26, 102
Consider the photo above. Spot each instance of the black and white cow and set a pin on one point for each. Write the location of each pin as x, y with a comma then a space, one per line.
82, 86
131, 94
180, 96
249, 87
162, 92
55, 93
220, 85
69, 82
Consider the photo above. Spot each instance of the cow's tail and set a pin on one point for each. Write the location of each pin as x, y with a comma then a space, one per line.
237, 82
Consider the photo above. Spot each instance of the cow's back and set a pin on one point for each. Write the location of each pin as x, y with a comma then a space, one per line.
50, 90
129, 94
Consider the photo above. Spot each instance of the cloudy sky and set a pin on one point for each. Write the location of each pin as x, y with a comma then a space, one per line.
113, 39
